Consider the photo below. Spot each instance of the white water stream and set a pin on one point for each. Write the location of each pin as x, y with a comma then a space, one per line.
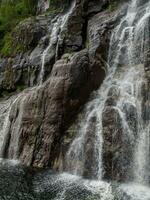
58, 25
128, 46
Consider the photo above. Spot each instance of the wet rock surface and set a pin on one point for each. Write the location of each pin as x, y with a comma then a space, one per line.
116, 147
40, 114
38, 117
17, 69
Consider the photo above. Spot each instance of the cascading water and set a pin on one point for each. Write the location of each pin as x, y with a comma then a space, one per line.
6, 122
58, 25
6, 108
10, 104
53, 41
128, 48
4, 119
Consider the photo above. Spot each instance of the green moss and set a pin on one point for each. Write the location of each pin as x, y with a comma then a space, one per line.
53, 10
11, 13
5, 93
7, 45
57, 6
113, 6
21, 87
59, 3
8, 48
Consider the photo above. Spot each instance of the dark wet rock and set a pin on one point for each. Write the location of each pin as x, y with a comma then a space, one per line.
146, 101
18, 70
147, 65
30, 31
116, 147
112, 96
31, 37
96, 6
40, 115
71, 38
99, 31
131, 116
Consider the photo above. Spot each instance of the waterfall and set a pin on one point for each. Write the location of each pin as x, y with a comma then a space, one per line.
58, 24
6, 109
76, 155
53, 41
129, 45
18, 103
4, 119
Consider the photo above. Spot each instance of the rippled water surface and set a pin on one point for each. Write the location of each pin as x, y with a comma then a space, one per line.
19, 183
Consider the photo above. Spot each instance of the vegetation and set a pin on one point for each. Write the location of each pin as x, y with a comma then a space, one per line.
14, 11
113, 5
11, 13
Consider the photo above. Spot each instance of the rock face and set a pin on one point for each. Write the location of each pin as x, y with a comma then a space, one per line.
34, 127
55, 63
18, 70
39, 116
